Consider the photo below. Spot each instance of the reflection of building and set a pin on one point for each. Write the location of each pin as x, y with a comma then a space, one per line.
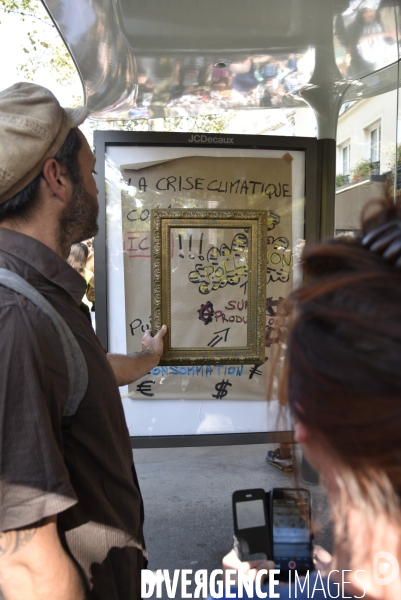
366, 143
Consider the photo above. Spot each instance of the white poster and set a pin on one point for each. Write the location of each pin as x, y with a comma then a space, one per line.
187, 400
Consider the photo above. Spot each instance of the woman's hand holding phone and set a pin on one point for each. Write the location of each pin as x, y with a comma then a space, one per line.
249, 568
322, 560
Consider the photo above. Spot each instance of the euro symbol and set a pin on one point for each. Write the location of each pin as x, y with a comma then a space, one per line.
254, 371
144, 387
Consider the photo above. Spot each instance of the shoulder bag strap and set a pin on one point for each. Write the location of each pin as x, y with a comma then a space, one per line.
76, 365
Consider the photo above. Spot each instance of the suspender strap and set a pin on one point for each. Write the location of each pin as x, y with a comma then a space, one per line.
74, 358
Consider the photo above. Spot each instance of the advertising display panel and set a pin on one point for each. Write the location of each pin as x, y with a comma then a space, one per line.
204, 233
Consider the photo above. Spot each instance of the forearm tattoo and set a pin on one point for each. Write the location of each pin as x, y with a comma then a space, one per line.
12, 541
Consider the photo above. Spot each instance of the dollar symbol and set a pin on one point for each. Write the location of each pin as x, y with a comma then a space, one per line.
221, 389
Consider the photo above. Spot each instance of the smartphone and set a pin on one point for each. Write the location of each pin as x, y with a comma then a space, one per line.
251, 525
291, 535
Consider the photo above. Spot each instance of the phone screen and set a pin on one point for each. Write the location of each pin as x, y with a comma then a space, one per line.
291, 529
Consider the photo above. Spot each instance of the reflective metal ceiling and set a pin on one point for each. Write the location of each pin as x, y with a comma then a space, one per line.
156, 58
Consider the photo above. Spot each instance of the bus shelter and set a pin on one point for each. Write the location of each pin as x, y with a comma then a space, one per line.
337, 60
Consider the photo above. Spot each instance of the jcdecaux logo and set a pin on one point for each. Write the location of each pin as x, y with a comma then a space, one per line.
210, 139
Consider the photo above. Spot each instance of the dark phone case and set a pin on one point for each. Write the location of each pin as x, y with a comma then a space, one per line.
255, 540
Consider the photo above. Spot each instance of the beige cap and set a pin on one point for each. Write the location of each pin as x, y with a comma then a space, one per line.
33, 127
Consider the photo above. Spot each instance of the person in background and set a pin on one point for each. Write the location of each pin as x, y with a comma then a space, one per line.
90, 262
90, 266
78, 259
342, 380
281, 457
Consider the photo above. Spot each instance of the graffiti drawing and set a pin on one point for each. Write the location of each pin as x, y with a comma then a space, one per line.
279, 259
221, 389
276, 322
273, 219
206, 313
219, 338
225, 266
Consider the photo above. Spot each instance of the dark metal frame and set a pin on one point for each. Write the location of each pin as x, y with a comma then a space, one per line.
313, 186
212, 439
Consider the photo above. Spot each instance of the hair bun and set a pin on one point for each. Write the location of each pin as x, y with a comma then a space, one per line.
386, 242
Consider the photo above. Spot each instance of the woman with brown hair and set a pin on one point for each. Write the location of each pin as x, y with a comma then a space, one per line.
342, 379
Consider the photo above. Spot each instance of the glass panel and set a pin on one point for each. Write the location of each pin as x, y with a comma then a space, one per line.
187, 400
219, 268
202, 85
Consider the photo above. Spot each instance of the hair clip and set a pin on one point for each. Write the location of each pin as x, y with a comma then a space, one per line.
386, 242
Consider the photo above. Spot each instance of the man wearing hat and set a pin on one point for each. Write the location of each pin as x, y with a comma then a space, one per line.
70, 507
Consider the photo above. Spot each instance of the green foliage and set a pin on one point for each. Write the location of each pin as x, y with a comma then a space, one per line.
22, 7
362, 169
341, 179
91, 125
43, 44
198, 123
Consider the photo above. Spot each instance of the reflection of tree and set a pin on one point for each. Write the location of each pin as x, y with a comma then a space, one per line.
198, 123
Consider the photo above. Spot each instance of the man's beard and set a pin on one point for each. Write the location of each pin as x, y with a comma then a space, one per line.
78, 221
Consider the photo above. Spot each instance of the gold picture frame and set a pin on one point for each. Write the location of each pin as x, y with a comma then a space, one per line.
207, 255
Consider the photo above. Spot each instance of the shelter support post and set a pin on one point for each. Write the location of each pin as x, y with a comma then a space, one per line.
327, 185
324, 94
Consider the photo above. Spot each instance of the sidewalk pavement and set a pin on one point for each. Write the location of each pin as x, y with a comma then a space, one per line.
187, 495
